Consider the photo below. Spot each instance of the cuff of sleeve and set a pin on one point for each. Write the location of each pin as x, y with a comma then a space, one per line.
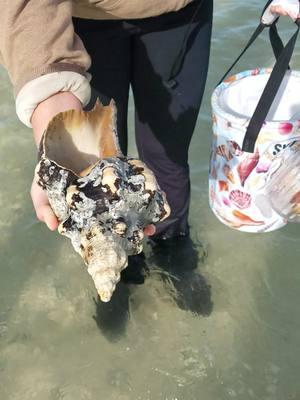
43, 87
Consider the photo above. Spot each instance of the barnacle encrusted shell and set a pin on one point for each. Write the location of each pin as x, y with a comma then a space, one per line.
102, 199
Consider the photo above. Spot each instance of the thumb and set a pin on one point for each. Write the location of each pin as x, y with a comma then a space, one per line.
42, 207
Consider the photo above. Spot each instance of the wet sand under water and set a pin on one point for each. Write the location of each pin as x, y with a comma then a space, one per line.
57, 343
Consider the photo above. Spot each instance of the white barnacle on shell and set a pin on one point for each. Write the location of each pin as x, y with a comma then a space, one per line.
102, 199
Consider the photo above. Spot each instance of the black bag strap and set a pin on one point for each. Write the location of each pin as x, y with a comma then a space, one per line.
283, 56
269, 93
275, 40
252, 39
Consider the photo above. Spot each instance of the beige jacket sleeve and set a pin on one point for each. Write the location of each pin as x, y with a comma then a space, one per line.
41, 52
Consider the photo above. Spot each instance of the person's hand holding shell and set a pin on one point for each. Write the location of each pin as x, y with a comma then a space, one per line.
103, 200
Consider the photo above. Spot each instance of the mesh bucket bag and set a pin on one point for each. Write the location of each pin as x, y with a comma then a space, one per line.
256, 116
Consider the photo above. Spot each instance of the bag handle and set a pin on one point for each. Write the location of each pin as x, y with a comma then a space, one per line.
275, 40
269, 93
283, 56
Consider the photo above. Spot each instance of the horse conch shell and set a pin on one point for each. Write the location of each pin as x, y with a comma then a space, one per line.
102, 199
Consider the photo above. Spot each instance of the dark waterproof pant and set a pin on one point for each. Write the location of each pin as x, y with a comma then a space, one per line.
140, 54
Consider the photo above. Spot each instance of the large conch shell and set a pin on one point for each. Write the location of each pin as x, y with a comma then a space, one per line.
102, 199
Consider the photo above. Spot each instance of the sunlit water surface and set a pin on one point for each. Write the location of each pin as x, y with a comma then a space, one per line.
55, 345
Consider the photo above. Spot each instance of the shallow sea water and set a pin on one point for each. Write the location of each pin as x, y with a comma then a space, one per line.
56, 343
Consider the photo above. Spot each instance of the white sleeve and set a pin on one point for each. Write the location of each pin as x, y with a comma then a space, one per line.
43, 87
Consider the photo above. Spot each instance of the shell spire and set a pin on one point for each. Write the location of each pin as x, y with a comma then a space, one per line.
105, 259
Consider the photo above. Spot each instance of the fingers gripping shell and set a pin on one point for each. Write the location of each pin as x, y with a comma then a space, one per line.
102, 199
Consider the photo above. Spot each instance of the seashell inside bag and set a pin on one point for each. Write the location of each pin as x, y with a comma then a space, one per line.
102, 199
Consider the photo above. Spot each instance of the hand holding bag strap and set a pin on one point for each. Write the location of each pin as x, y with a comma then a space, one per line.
269, 93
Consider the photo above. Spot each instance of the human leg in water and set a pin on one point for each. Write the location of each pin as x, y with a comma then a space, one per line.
165, 118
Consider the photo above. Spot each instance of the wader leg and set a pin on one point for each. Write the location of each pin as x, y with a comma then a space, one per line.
165, 117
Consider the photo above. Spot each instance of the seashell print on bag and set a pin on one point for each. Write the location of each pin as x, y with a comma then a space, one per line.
240, 199
245, 168
102, 199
